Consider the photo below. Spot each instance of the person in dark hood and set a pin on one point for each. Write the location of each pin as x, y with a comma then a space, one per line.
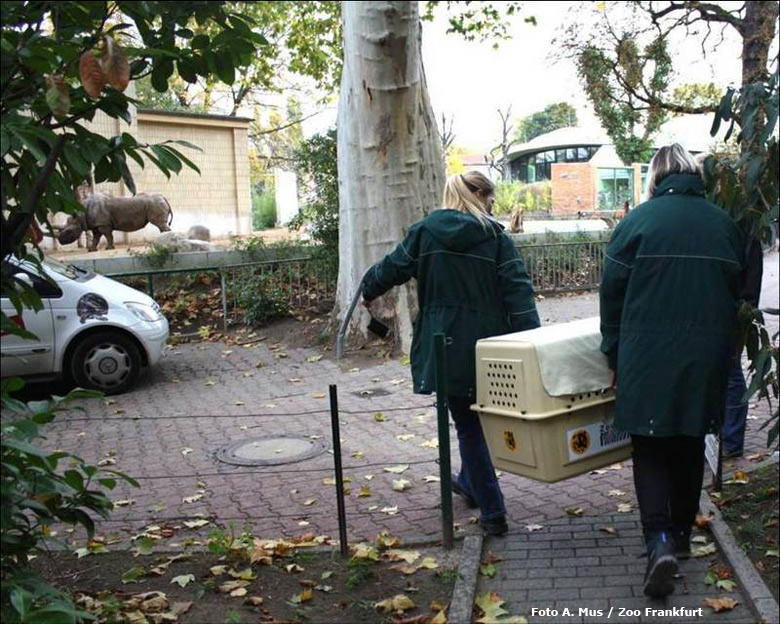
471, 284
735, 418
669, 297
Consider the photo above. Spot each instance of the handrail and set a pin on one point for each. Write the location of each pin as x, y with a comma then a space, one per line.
348, 318
205, 268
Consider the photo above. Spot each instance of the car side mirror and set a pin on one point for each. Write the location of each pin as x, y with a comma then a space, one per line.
23, 277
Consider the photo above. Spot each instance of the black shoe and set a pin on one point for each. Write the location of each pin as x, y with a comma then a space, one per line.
682, 543
470, 502
661, 565
733, 454
496, 527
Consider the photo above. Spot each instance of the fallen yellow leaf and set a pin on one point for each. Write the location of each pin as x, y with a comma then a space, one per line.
720, 604
396, 603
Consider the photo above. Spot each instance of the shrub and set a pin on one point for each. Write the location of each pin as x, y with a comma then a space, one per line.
261, 299
537, 197
317, 164
37, 494
508, 197
264, 210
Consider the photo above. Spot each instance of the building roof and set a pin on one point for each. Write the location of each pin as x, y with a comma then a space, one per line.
475, 160
193, 115
691, 131
562, 137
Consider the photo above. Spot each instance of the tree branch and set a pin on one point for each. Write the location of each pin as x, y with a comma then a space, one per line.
20, 220
285, 126
708, 12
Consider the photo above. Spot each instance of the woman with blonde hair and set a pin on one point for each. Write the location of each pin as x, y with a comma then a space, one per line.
471, 284
669, 298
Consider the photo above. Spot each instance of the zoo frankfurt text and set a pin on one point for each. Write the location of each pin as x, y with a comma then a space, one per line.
619, 612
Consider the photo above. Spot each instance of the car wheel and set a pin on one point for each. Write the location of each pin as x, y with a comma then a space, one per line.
106, 361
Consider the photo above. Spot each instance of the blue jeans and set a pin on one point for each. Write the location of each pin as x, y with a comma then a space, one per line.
735, 418
477, 476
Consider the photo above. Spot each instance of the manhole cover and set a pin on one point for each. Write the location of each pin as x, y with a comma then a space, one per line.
371, 392
270, 450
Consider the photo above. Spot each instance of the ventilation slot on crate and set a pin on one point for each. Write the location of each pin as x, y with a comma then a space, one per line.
503, 390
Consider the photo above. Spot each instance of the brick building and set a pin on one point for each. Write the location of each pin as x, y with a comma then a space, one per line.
585, 172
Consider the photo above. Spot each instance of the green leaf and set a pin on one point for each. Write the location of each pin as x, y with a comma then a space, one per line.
183, 580
183, 158
133, 575
74, 479
123, 476
163, 68
21, 600
726, 585
225, 69
144, 545
168, 161
11, 384
200, 42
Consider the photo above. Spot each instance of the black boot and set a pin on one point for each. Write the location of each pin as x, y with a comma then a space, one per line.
496, 527
470, 502
682, 543
661, 564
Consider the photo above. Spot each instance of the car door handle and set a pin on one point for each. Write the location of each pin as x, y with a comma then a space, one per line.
41, 350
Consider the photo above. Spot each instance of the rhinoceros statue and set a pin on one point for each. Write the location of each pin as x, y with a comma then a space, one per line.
103, 214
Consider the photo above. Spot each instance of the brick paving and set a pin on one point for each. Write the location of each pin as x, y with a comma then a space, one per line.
204, 396
571, 563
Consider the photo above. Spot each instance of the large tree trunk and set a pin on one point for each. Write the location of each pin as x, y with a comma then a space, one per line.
758, 33
391, 168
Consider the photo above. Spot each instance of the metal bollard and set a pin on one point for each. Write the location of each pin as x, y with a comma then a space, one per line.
224, 301
442, 414
342, 514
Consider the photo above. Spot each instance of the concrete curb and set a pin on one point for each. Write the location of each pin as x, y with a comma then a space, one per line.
761, 600
462, 601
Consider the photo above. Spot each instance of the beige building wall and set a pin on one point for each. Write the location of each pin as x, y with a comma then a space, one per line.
218, 198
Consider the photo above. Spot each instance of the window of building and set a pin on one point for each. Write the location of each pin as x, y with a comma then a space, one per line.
537, 167
615, 188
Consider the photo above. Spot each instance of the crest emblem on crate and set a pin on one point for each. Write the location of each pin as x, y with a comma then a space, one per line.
509, 440
580, 442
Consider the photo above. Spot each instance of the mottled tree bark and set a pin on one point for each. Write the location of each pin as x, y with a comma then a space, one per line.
391, 168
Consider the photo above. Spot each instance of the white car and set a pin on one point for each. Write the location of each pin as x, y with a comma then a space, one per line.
92, 330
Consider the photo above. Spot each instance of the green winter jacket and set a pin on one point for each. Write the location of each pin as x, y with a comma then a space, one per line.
669, 299
471, 284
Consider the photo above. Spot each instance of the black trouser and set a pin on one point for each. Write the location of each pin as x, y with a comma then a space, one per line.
668, 475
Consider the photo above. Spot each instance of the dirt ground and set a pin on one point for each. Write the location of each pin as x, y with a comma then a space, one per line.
750, 509
302, 585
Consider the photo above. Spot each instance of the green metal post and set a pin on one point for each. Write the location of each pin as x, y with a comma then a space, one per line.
442, 413
150, 285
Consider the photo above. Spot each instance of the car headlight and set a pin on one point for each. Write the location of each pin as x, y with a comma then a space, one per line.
143, 312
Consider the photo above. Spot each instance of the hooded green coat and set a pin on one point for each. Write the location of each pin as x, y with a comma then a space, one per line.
669, 300
471, 284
